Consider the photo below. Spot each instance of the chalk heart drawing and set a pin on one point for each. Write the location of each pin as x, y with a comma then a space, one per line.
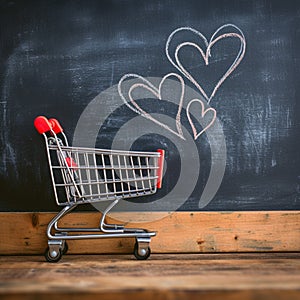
157, 92
205, 54
205, 114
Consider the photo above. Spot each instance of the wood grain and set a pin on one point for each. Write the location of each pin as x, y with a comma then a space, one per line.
177, 276
179, 232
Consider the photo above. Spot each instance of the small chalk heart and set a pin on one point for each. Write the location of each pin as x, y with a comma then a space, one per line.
203, 113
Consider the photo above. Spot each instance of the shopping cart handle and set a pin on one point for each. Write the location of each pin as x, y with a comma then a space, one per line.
56, 127
160, 167
42, 124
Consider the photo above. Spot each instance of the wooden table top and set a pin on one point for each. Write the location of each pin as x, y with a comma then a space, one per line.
162, 276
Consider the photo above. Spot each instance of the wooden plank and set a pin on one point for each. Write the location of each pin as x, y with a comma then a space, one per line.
180, 276
162, 295
186, 232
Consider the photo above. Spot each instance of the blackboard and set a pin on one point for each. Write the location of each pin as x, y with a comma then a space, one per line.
65, 59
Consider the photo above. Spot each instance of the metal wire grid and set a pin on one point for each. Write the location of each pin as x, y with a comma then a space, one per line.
92, 175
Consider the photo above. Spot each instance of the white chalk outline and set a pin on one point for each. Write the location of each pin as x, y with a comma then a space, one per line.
131, 103
203, 113
158, 94
178, 65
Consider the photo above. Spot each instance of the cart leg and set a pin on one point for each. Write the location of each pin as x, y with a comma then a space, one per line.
142, 248
110, 228
57, 245
53, 224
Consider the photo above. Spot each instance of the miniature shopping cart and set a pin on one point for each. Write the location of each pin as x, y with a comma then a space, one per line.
87, 175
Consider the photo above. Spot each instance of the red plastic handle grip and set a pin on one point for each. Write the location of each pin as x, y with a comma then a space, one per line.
56, 127
42, 124
160, 167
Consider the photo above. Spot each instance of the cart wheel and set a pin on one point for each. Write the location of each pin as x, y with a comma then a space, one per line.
53, 256
65, 248
143, 254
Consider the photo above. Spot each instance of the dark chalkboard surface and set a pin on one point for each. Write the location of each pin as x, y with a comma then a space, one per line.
65, 59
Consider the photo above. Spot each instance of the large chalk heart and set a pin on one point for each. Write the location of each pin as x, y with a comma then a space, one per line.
144, 84
205, 54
